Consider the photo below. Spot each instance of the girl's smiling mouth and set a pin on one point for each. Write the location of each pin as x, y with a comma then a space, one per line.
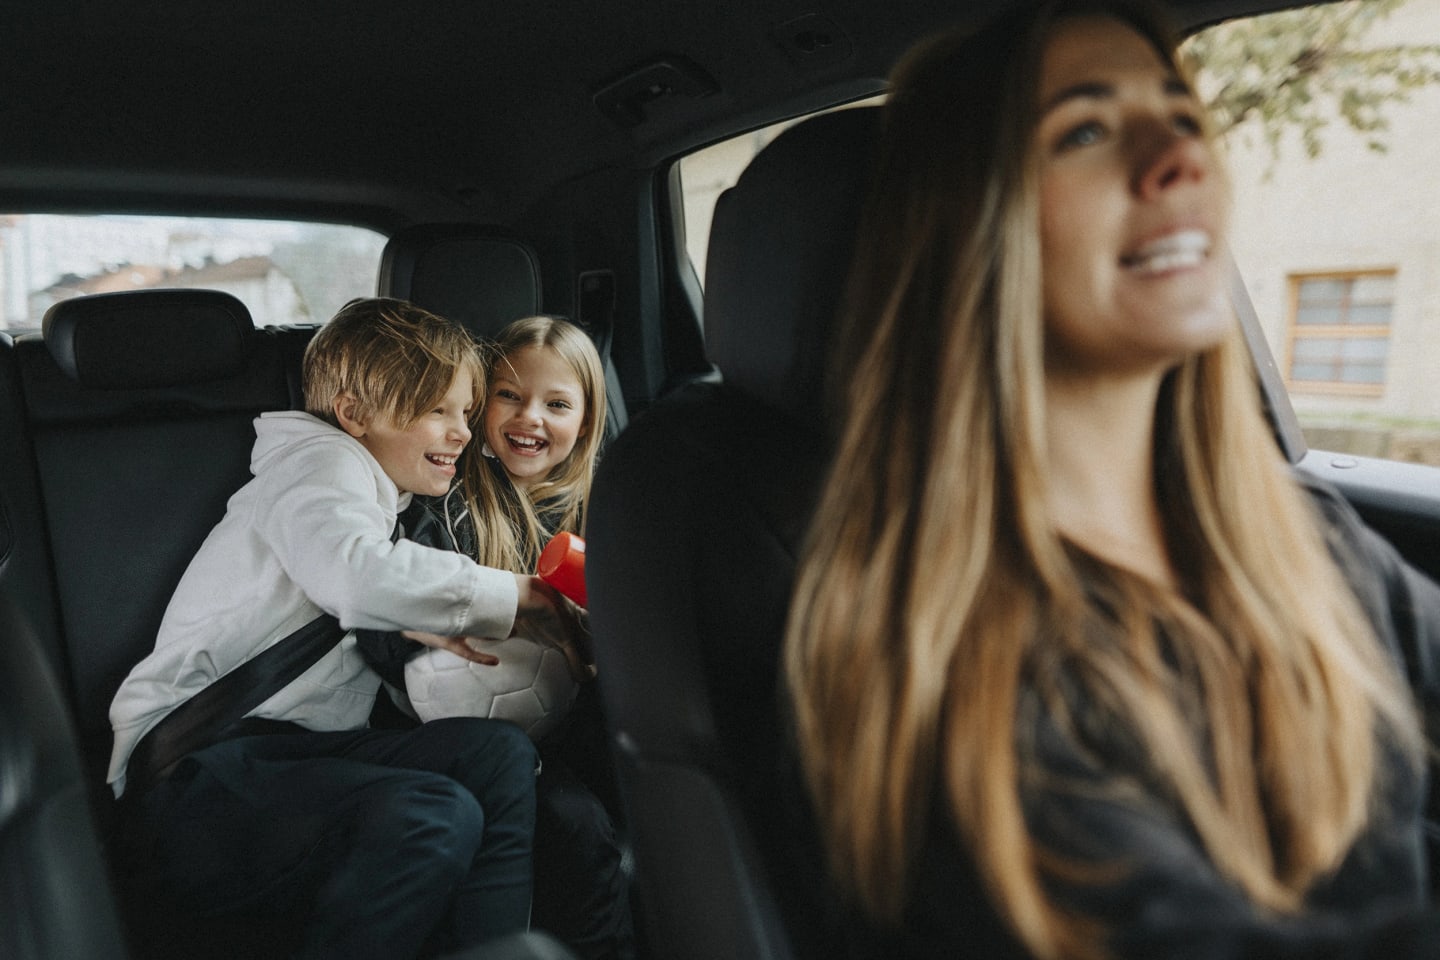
527, 446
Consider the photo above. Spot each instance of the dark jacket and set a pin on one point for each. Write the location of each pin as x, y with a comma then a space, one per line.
444, 523
1169, 900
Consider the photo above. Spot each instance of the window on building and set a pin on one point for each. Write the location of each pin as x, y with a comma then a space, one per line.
1340, 332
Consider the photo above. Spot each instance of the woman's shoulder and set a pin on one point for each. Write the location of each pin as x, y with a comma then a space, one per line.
1357, 548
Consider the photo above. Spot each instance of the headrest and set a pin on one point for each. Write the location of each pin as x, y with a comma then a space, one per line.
149, 338
780, 247
472, 275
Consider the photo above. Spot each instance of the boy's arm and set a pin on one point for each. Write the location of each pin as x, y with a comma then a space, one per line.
327, 522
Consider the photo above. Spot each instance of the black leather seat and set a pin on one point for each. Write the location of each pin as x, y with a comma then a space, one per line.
698, 513
138, 408
54, 890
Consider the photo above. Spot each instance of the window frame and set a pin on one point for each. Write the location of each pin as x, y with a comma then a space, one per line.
1296, 331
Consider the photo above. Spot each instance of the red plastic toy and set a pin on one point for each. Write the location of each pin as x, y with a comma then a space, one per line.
562, 565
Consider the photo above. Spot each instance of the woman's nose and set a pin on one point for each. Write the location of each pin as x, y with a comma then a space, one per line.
1170, 159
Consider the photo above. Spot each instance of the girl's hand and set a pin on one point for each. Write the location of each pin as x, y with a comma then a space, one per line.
459, 646
546, 616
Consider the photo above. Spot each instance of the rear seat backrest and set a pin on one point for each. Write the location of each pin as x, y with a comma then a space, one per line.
139, 408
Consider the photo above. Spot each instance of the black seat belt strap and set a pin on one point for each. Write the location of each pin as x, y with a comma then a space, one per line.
204, 718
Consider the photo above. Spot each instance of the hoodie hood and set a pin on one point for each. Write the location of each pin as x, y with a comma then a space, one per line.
279, 436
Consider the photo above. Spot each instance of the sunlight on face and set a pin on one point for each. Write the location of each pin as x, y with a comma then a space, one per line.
1134, 208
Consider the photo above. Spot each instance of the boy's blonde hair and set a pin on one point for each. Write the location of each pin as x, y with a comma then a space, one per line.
394, 358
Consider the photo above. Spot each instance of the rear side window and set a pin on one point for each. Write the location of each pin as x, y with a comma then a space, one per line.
283, 271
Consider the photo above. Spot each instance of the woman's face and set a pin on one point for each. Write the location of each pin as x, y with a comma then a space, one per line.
1133, 210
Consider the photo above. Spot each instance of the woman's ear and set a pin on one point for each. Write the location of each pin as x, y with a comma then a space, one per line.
344, 407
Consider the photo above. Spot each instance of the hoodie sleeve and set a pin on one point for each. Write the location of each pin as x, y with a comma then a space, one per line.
328, 514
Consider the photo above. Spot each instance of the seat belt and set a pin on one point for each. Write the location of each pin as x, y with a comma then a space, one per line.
204, 718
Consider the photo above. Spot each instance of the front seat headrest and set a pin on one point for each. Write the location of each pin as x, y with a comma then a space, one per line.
780, 248
473, 275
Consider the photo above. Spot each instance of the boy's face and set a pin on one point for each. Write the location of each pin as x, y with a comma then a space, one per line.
420, 458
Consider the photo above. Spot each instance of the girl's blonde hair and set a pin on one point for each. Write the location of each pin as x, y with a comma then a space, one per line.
513, 526
936, 592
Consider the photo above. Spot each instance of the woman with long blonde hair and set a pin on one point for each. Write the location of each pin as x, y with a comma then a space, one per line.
1078, 667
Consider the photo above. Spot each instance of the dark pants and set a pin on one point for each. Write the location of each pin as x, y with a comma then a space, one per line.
384, 842
581, 888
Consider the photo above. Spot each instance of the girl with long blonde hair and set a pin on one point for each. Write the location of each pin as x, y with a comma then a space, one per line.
538, 464
1070, 634
541, 427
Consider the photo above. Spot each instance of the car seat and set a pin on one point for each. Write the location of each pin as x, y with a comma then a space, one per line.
54, 891
696, 521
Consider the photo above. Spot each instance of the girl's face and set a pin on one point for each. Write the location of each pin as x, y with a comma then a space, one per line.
535, 413
1133, 208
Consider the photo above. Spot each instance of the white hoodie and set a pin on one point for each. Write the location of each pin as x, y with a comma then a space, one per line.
311, 533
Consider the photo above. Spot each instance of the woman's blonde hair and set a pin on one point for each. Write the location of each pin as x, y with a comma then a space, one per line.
936, 592
513, 526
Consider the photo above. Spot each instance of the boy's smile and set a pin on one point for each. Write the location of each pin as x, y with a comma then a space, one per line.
421, 457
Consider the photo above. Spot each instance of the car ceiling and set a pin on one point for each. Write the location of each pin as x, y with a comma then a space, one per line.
391, 112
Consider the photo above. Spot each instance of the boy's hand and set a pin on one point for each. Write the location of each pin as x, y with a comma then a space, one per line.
546, 616
459, 646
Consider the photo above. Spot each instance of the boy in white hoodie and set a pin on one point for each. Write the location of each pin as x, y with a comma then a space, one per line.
382, 840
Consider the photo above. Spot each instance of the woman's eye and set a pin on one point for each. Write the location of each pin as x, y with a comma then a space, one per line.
1187, 124
507, 394
560, 404
1083, 135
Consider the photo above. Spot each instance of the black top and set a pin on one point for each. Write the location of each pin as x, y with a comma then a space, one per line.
1171, 901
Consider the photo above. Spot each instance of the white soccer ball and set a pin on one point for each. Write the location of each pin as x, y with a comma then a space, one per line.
531, 686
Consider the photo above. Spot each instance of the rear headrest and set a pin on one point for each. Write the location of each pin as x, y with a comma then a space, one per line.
780, 248
149, 338
478, 277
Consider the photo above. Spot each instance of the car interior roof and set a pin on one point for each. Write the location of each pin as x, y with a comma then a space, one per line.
373, 111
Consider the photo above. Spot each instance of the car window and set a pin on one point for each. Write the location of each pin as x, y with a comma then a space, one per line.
283, 271
1328, 122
